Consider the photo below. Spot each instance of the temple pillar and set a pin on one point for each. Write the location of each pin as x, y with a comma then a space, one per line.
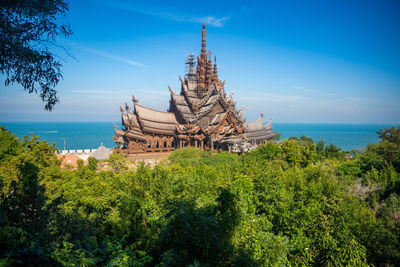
202, 143
195, 143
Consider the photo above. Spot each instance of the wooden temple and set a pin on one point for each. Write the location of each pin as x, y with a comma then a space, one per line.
201, 115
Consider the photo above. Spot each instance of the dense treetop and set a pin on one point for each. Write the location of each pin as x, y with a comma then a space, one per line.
293, 203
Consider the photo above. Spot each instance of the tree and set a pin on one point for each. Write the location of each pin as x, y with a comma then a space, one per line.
28, 30
200, 236
118, 162
389, 146
391, 135
320, 147
332, 151
92, 164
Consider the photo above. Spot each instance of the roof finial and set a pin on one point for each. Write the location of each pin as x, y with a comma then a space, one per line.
203, 33
209, 70
215, 70
203, 38
134, 100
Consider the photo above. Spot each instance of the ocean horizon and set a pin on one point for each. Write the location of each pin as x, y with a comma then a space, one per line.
90, 135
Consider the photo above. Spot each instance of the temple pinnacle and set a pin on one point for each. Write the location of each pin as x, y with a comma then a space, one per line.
203, 33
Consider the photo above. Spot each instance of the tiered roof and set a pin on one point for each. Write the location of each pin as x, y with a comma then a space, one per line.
256, 130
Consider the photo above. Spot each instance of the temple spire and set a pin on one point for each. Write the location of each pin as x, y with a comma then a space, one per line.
203, 35
209, 70
202, 63
215, 70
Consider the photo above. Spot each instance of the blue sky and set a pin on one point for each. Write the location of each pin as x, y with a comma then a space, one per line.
295, 61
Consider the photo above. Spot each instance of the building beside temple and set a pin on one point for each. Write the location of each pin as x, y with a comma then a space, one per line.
201, 115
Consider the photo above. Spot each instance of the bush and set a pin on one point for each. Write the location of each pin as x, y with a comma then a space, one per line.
118, 162
188, 156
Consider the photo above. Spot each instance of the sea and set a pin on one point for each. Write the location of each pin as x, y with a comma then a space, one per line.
90, 135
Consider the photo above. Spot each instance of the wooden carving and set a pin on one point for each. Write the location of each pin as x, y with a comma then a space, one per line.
201, 116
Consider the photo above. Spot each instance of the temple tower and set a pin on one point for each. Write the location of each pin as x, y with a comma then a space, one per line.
201, 115
202, 63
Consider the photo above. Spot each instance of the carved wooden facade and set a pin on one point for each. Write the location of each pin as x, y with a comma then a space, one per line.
201, 115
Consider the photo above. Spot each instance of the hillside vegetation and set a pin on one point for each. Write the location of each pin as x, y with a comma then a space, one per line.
295, 203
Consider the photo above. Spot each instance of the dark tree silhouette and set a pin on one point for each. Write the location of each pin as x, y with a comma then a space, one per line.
28, 30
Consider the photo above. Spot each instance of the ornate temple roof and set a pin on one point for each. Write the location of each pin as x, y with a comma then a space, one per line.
256, 130
153, 115
255, 126
155, 121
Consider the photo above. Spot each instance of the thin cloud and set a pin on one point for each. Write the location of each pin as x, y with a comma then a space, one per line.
107, 55
269, 98
209, 20
300, 88
330, 94
96, 92
151, 92
114, 57
307, 90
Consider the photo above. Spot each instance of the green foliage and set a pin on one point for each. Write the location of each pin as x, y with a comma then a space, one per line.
332, 151
389, 146
118, 162
9, 146
92, 164
391, 135
28, 32
199, 235
277, 136
295, 203
320, 147
14, 153
299, 153
188, 156
268, 151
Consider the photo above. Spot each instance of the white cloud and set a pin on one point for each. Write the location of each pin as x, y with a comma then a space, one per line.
212, 20
209, 20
